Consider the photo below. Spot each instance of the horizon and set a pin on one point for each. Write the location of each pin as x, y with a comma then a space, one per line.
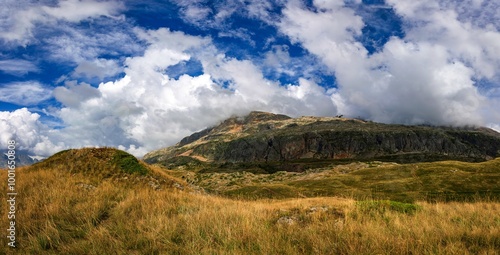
141, 76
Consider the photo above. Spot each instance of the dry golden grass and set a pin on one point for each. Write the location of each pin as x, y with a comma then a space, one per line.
62, 212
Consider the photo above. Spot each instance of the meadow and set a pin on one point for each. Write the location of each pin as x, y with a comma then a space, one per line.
68, 208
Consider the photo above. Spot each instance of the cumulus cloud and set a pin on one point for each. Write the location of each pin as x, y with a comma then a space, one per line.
427, 77
29, 133
147, 109
24, 93
418, 84
438, 22
72, 94
334, 44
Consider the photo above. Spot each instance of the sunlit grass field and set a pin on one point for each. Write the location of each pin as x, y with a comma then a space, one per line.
66, 208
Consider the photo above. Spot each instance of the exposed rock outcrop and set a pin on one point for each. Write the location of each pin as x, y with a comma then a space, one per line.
261, 137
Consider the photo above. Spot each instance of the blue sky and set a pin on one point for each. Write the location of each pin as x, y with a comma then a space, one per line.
140, 75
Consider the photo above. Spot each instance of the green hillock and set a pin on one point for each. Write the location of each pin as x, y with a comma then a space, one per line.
97, 162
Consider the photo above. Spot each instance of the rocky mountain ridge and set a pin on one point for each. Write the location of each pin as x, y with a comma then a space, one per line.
23, 158
267, 137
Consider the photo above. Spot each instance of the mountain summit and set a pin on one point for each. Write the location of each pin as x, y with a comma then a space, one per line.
267, 137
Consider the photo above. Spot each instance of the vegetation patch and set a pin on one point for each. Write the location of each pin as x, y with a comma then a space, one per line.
181, 161
381, 206
128, 163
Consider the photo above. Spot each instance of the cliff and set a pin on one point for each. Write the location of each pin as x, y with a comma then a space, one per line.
267, 137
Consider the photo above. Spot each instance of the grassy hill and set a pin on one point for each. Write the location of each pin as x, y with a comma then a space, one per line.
96, 162
102, 201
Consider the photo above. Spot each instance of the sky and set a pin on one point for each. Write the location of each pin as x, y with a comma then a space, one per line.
141, 75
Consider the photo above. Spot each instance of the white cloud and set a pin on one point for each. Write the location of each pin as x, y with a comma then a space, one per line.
428, 77
56, 31
21, 17
24, 93
260, 9
495, 127
438, 22
196, 13
478, 13
419, 85
29, 133
17, 66
73, 94
240, 33
100, 68
335, 43
218, 15
147, 109
278, 56
76, 10
83, 46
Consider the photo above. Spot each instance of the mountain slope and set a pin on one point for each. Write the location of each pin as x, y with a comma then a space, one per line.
267, 137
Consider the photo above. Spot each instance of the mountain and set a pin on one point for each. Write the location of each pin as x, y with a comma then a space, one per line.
266, 137
23, 158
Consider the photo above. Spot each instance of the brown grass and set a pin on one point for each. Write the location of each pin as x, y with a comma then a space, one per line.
60, 212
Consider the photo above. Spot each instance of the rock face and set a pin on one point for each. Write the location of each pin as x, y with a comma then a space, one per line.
264, 137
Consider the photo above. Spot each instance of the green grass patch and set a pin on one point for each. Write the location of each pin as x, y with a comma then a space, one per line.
382, 206
128, 163
182, 161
